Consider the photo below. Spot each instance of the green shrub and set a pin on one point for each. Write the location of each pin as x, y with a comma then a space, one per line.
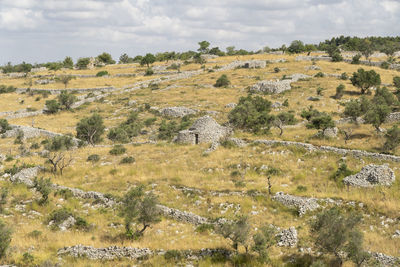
356, 59
175, 255
339, 91
344, 76
126, 130
4, 126
5, 238
222, 81
127, 160
320, 90
7, 89
102, 73
341, 173
93, 158
276, 70
385, 65
319, 75
62, 142
150, 121
35, 234
58, 216
66, 100
52, 106
117, 150
149, 72
252, 114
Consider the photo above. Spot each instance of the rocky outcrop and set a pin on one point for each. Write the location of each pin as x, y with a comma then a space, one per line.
313, 58
271, 87
312, 67
302, 204
278, 86
371, 175
231, 105
287, 237
331, 132
341, 151
385, 260
65, 225
177, 112
26, 176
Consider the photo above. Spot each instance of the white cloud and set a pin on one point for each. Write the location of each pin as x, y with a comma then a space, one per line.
75, 27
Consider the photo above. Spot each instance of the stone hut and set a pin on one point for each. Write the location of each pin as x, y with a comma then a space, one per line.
204, 130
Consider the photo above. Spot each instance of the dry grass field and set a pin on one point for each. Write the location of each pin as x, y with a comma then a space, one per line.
165, 166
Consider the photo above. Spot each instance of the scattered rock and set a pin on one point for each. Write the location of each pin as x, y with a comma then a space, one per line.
303, 204
287, 237
312, 67
231, 105
371, 175
331, 132
177, 112
25, 176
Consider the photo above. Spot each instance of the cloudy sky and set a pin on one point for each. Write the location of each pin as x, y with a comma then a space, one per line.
49, 30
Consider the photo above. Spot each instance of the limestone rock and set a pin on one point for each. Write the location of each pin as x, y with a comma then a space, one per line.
177, 112
312, 67
271, 87
231, 105
303, 204
26, 176
287, 237
331, 132
371, 175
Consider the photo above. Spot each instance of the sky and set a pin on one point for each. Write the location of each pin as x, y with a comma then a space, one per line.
38, 31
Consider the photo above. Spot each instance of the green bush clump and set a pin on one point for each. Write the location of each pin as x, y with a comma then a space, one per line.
117, 150
93, 158
222, 81
102, 73
7, 89
127, 160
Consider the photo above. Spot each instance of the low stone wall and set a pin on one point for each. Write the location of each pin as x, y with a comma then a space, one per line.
341, 151
302, 204
114, 252
58, 91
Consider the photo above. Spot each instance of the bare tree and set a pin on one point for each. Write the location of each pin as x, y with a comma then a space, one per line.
59, 161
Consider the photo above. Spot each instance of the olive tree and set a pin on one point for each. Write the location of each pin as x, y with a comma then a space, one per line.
237, 231
334, 231
66, 100
90, 129
365, 79
147, 60
141, 208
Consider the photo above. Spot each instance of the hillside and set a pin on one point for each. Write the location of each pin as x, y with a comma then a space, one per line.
201, 185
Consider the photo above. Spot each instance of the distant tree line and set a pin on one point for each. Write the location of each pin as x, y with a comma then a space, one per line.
366, 46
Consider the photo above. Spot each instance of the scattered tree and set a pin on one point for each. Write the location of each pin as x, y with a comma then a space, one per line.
263, 240
392, 137
68, 63
296, 46
147, 60
334, 232
90, 129
66, 100
282, 119
106, 58
203, 49
125, 59
365, 79
237, 231
141, 208
83, 63
252, 114
52, 106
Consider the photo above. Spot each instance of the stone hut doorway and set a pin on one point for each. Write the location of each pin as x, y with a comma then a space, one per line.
196, 137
